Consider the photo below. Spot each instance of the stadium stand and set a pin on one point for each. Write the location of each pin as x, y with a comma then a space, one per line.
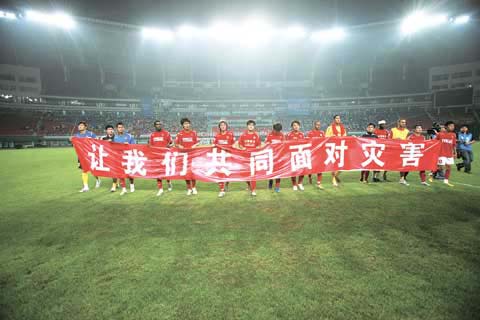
56, 116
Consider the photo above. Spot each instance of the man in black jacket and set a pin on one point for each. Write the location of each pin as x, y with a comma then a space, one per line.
109, 135
369, 134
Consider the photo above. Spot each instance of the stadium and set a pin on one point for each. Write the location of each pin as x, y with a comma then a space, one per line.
355, 249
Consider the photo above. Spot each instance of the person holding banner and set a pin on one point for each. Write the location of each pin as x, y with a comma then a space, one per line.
382, 133
276, 136
370, 135
250, 140
109, 135
314, 134
187, 139
160, 138
125, 138
223, 138
296, 134
84, 133
438, 174
106, 159
401, 133
448, 151
336, 129
417, 137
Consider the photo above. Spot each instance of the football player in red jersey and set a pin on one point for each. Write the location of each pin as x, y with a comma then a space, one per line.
250, 140
448, 151
438, 173
223, 138
314, 134
296, 134
187, 139
276, 136
418, 137
382, 133
160, 138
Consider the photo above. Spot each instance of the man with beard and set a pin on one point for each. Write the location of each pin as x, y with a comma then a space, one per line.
382, 133
160, 138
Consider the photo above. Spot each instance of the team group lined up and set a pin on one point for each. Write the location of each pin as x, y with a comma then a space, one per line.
250, 140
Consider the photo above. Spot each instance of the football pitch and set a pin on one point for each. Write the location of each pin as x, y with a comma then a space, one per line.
377, 251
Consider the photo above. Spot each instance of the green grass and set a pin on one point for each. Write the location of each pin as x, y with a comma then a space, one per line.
378, 251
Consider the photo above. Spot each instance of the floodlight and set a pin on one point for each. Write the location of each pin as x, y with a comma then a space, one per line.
295, 32
187, 32
419, 20
461, 19
8, 15
222, 31
255, 31
57, 19
329, 35
163, 35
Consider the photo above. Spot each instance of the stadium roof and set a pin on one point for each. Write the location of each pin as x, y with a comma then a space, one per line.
100, 49
309, 12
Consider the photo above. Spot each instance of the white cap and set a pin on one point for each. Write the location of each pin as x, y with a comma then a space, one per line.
382, 122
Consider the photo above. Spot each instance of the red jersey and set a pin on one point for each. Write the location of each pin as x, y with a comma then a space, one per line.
448, 141
249, 140
160, 139
316, 134
275, 137
186, 139
224, 139
382, 133
294, 135
416, 139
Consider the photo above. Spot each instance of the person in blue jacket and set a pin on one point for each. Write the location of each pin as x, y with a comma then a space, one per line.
126, 138
465, 141
84, 133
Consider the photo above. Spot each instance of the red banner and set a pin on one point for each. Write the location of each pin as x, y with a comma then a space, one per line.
291, 158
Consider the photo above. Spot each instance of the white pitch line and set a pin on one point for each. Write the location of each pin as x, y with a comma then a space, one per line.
467, 185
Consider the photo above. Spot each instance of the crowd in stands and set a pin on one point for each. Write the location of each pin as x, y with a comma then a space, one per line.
60, 123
